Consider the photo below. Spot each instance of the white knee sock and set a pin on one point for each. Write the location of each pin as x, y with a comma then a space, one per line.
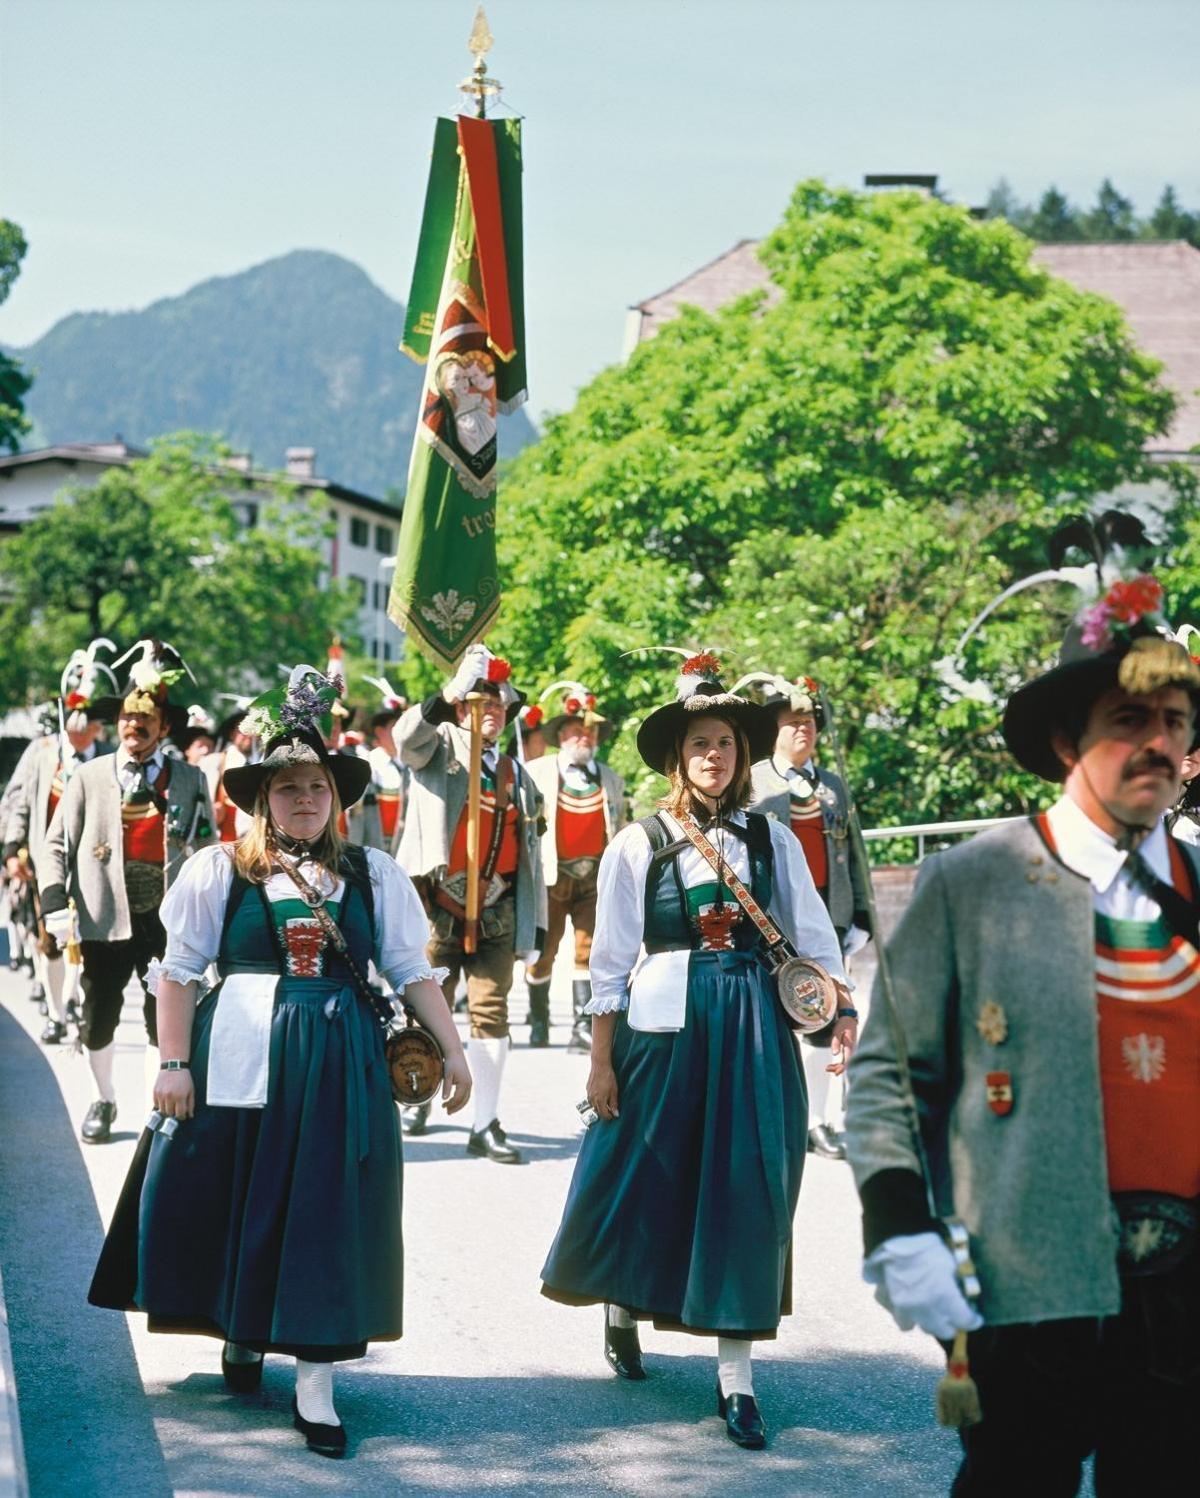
314, 1392
486, 1058
101, 1062
733, 1366
619, 1316
56, 972
817, 1080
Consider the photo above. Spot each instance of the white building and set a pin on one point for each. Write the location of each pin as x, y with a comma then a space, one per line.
364, 530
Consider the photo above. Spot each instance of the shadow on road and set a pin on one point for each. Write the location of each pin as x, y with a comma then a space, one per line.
86, 1422
592, 1434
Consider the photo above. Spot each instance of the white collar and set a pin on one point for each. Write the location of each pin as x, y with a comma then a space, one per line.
126, 762
1092, 852
789, 772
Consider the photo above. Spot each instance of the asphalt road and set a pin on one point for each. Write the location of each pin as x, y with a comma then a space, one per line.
492, 1391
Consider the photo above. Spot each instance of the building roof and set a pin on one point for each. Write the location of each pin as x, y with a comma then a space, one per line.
714, 285
107, 454
118, 453
1156, 285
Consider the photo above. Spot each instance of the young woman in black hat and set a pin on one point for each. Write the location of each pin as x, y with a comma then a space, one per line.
272, 1217
681, 1206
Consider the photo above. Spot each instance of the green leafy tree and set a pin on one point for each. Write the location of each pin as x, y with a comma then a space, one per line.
912, 362
1054, 220
156, 549
1112, 218
14, 382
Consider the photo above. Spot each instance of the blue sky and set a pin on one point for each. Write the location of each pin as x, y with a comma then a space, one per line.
148, 144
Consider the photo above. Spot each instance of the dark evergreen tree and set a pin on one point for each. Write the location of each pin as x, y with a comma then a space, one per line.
1055, 220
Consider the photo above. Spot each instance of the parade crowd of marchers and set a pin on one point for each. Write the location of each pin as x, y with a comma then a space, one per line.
306, 902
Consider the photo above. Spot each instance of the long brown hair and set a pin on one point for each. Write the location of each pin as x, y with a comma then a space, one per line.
253, 854
682, 796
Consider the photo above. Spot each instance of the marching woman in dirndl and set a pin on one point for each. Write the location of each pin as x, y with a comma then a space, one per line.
269, 1214
680, 1210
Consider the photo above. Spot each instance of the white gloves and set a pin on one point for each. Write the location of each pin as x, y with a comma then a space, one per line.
854, 940
915, 1279
58, 925
472, 666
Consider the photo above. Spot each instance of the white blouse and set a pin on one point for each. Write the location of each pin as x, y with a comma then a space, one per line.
617, 951
193, 913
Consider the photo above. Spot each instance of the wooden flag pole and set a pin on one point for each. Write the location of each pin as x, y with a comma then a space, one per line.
474, 816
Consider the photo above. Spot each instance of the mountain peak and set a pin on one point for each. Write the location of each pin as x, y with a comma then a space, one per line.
301, 348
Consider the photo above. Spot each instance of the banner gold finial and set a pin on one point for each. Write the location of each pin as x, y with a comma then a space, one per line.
479, 87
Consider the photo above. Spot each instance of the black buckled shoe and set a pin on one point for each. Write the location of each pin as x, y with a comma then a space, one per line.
325, 1440
744, 1424
241, 1377
492, 1144
416, 1120
97, 1126
54, 1033
623, 1350
824, 1140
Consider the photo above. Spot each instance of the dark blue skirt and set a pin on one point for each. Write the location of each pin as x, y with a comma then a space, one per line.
279, 1227
681, 1208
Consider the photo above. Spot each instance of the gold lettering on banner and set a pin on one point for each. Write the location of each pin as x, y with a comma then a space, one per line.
475, 525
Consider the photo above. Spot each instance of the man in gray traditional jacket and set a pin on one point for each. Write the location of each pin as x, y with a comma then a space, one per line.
116, 841
1048, 982
38, 783
433, 739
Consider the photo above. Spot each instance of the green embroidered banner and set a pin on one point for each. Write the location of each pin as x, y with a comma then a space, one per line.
465, 321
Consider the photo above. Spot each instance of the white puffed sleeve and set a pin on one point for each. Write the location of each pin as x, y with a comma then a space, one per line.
796, 907
401, 925
193, 912
620, 901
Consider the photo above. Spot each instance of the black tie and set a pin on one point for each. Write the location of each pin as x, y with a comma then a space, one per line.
138, 792
1180, 914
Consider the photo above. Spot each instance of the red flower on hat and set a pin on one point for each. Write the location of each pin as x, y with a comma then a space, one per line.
532, 716
1133, 600
809, 683
498, 670
702, 665
75, 700
590, 701
572, 705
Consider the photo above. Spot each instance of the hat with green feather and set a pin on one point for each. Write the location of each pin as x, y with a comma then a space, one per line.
287, 721
151, 676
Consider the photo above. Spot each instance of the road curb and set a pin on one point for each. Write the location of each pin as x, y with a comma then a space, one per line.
14, 1480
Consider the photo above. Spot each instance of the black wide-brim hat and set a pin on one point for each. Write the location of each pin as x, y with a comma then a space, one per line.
348, 772
175, 717
1043, 706
97, 711
660, 732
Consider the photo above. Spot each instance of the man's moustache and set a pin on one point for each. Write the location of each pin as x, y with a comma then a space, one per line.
1150, 762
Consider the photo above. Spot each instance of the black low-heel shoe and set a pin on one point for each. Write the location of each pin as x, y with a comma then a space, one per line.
743, 1423
325, 1440
623, 1350
241, 1378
